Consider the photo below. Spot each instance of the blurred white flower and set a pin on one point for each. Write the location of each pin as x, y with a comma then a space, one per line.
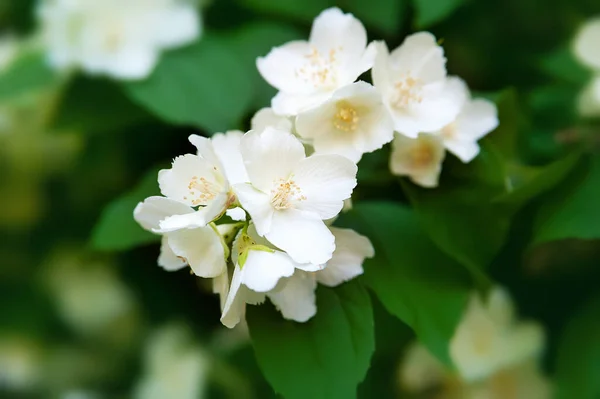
290, 194
122, 39
420, 370
266, 117
489, 338
587, 44
307, 73
174, 367
21, 364
201, 248
589, 99
420, 159
477, 118
200, 181
352, 122
412, 82
9, 47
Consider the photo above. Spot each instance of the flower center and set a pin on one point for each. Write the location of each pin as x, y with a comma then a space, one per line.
408, 92
201, 190
346, 118
284, 193
421, 156
319, 69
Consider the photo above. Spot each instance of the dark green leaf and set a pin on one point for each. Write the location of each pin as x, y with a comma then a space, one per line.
578, 361
202, 85
413, 279
305, 10
563, 65
505, 137
385, 15
325, 358
116, 229
430, 12
573, 211
28, 73
252, 41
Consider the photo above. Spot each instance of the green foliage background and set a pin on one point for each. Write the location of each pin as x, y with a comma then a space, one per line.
524, 214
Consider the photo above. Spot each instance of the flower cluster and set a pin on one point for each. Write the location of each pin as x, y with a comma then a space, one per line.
122, 39
412, 100
494, 355
278, 243
587, 50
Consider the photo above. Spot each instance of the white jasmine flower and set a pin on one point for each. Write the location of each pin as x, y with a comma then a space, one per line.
201, 248
477, 118
266, 117
351, 249
112, 37
295, 296
291, 194
174, 366
412, 82
307, 73
586, 45
352, 122
9, 47
259, 266
420, 159
589, 99
201, 181
488, 338
420, 370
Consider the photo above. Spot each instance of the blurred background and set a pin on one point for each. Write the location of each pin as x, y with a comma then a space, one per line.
84, 316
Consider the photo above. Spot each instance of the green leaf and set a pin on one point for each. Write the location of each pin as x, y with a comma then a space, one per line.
563, 65
505, 136
572, 210
430, 12
117, 230
305, 10
256, 40
385, 15
578, 360
413, 279
28, 73
325, 358
460, 216
202, 85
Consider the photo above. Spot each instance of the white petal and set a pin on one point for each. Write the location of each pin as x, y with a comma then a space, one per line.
236, 214
128, 64
270, 155
205, 149
203, 216
263, 270
202, 248
466, 151
152, 210
477, 118
291, 104
175, 183
266, 117
279, 67
302, 235
167, 258
419, 158
325, 182
257, 204
586, 44
420, 369
227, 148
239, 295
296, 300
420, 55
351, 249
589, 99
177, 26
221, 287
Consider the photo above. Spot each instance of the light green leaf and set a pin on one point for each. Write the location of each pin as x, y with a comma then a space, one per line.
28, 73
578, 360
116, 229
572, 211
202, 85
413, 279
563, 65
430, 12
325, 358
256, 40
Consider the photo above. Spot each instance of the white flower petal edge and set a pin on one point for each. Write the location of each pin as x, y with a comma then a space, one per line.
306, 73
589, 99
420, 159
111, 38
202, 249
586, 42
266, 117
295, 297
291, 195
477, 118
412, 82
351, 249
352, 122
